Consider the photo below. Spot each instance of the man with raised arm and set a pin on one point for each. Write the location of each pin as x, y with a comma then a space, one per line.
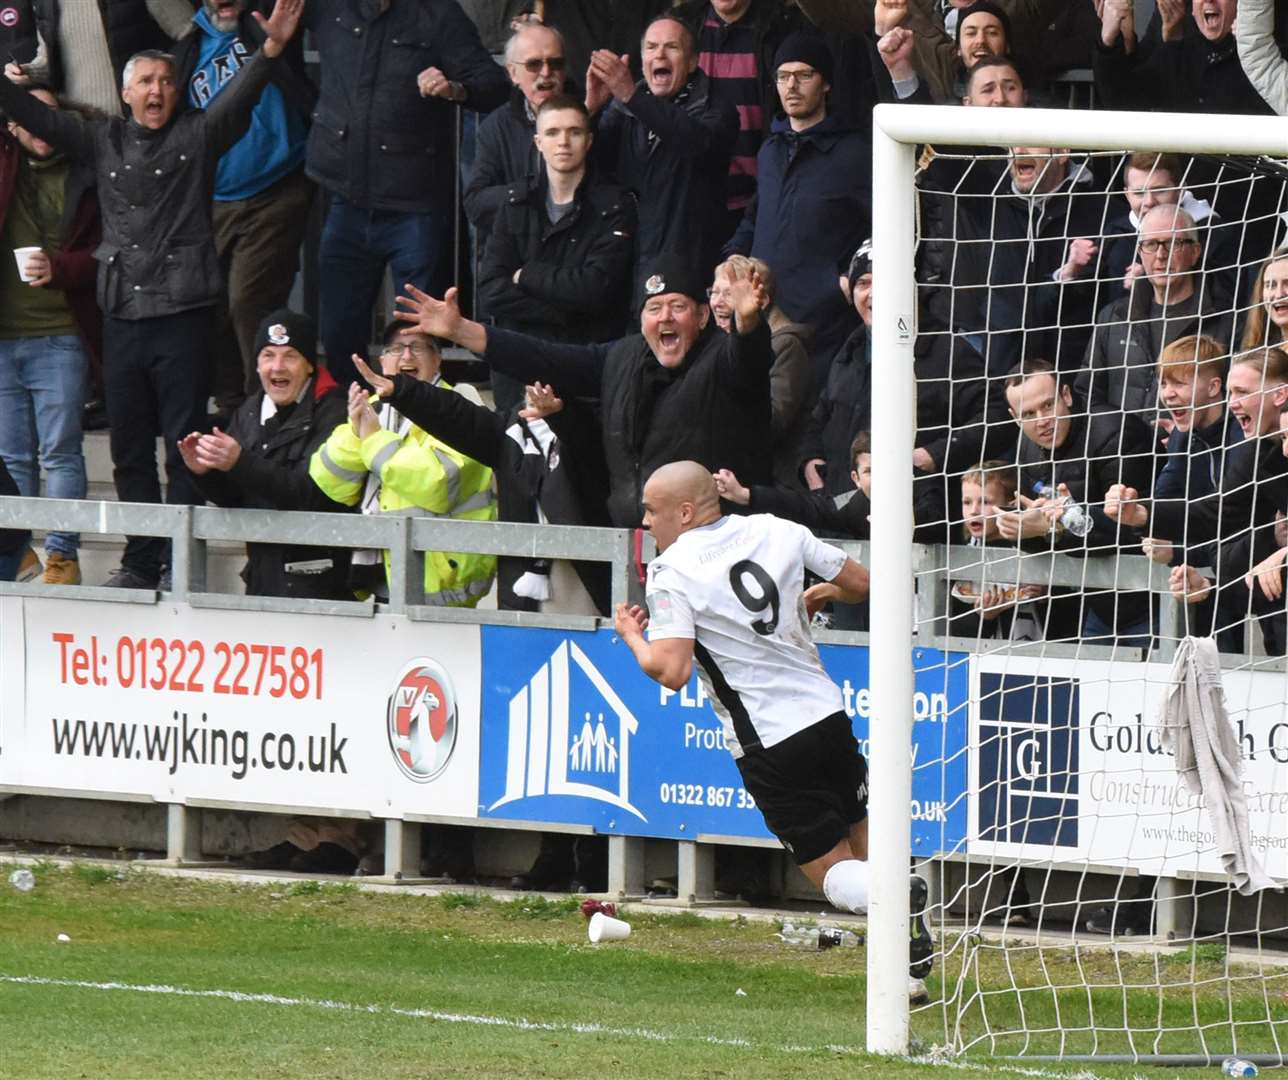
729, 593
158, 274
679, 389
668, 139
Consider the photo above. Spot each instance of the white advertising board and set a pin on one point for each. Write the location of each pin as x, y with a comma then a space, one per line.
1067, 765
378, 715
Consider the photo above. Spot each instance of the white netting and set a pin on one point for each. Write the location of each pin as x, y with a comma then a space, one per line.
1085, 908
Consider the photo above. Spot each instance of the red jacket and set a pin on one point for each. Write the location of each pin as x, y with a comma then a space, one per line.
74, 268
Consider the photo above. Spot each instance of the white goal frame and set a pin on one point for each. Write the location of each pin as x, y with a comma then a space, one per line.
897, 130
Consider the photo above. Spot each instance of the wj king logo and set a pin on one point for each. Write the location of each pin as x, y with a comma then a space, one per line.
1028, 759
559, 746
422, 720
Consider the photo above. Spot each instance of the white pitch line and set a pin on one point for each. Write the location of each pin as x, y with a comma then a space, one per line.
520, 1024
420, 1014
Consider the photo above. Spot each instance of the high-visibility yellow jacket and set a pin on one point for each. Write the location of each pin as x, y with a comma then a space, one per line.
417, 473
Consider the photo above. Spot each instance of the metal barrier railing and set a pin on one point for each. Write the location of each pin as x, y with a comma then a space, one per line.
407, 538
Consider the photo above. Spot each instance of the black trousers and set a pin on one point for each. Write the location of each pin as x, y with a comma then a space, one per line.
156, 378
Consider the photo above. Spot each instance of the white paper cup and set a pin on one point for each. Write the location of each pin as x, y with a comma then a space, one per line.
20, 256
606, 928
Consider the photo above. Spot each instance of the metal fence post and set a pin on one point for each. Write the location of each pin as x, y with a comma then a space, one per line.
406, 569
187, 556
182, 834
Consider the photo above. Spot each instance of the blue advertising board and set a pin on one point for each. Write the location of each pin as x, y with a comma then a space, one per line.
574, 733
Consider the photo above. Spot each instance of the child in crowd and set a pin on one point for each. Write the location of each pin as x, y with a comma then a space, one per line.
977, 608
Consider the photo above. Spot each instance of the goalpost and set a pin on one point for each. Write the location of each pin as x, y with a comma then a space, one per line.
1194, 989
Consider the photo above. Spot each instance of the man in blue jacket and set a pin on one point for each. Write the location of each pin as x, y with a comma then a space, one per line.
262, 197
813, 205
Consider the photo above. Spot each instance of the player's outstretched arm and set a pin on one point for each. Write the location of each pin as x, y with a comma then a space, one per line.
668, 661
850, 586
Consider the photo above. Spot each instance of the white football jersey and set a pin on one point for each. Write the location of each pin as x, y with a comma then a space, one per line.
736, 589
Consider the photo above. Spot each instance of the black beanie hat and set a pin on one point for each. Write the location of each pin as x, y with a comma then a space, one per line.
803, 47
287, 327
990, 8
860, 263
670, 272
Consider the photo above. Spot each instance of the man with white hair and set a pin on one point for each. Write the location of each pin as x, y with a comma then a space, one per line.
507, 154
158, 273
1166, 302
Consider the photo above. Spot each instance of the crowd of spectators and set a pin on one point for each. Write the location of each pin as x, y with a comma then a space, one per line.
668, 207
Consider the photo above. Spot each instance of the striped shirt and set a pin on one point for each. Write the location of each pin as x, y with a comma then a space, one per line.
727, 53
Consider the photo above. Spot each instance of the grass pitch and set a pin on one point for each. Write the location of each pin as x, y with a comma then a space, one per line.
168, 976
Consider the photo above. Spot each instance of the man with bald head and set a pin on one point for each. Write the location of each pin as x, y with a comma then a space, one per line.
668, 138
729, 592
1169, 300
507, 154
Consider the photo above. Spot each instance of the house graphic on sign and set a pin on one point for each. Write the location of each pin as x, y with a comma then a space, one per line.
558, 747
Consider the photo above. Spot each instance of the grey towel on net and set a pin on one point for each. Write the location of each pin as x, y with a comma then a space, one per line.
1196, 728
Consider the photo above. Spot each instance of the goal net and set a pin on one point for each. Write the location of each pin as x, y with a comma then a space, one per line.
1073, 337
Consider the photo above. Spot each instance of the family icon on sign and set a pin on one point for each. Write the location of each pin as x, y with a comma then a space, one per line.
597, 743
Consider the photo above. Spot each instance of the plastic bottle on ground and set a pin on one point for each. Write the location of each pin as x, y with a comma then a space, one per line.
23, 880
1233, 1066
818, 937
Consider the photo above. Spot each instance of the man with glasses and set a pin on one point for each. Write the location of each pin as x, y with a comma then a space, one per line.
385, 464
506, 154
813, 205
1167, 302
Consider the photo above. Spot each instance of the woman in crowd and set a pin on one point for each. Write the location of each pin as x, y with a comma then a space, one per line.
1268, 310
791, 379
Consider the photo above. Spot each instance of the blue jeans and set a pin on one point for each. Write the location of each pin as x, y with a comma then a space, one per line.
1136, 634
42, 392
357, 244
9, 564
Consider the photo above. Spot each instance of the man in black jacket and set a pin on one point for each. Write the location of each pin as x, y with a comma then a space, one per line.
158, 272
262, 197
262, 460
1030, 261
18, 33
1194, 68
668, 140
957, 413
558, 265
1066, 454
506, 154
679, 390
382, 147
813, 202
1168, 302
